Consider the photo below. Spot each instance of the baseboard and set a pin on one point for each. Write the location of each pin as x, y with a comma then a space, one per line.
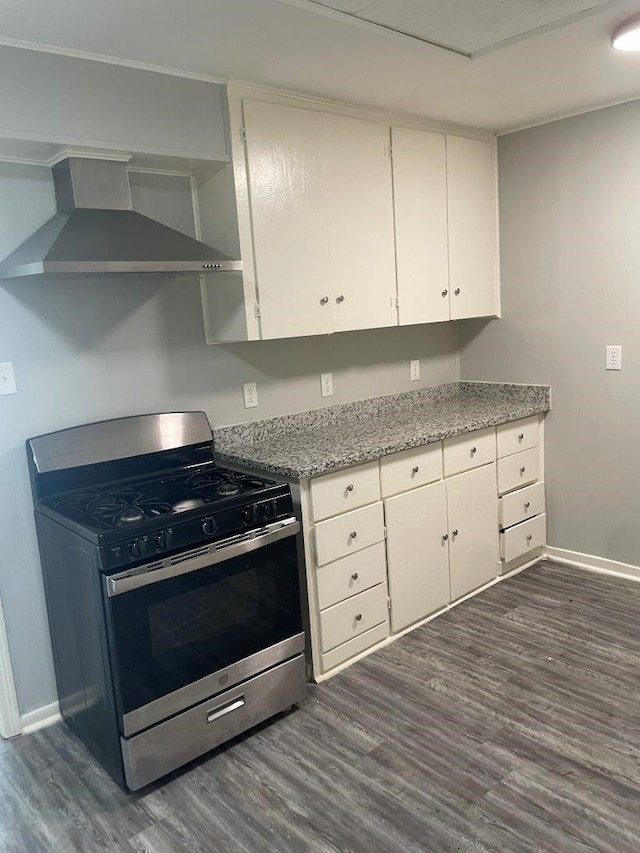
41, 718
593, 564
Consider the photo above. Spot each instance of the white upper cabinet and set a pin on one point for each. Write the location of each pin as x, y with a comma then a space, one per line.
360, 222
285, 173
445, 221
420, 199
345, 223
472, 215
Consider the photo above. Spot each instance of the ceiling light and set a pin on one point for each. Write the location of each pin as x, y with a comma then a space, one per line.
627, 37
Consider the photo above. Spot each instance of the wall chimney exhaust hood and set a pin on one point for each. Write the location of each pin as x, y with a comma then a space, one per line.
96, 232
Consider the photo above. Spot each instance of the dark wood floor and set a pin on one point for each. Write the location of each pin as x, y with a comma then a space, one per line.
510, 724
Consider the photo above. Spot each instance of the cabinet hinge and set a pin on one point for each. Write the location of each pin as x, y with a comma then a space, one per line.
397, 301
388, 151
256, 310
243, 135
384, 530
388, 603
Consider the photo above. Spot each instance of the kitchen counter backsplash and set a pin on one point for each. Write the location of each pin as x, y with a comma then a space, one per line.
306, 444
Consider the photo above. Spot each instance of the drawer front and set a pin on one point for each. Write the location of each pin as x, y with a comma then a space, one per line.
182, 738
517, 436
351, 575
469, 451
353, 647
345, 490
517, 470
520, 505
348, 533
410, 468
352, 617
524, 537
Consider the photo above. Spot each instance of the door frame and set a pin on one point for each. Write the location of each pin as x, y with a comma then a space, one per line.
10, 719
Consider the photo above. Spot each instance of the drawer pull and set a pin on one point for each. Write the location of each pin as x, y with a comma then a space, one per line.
350, 487
445, 537
522, 470
234, 705
340, 299
354, 576
358, 617
324, 300
529, 537
353, 534
415, 470
521, 436
473, 450
527, 505
444, 292
454, 532
457, 291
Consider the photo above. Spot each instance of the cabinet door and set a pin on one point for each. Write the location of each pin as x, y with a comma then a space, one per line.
417, 553
420, 207
471, 192
360, 223
472, 503
288, 217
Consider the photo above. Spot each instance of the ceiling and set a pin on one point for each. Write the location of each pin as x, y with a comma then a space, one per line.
494, 64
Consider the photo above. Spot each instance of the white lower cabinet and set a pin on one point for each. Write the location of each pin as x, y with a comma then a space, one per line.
417, 553
472, 505
391, 542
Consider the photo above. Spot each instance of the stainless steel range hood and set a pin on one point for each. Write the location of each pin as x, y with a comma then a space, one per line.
96, 232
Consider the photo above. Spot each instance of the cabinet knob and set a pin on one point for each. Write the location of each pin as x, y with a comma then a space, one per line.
445, 537
473, 450
522, 470
529, 537
454, 532
521, 436
415, 469
324, 300
358, 617
350, 487
457, 291
527, 505
354, 576
353, 534
444, 292
340, 298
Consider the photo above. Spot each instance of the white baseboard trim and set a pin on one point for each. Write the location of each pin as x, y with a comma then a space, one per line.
41, 718
593, 564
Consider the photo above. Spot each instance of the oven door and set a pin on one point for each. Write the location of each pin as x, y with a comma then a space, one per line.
185, 628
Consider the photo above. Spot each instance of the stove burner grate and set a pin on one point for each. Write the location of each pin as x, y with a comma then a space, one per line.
118, 507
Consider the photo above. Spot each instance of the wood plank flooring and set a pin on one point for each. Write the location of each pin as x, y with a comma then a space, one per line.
510, 724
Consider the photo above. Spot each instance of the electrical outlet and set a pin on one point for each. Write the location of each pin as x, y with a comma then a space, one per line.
7, 378
414, 370
250, 391
613, 358
326, 384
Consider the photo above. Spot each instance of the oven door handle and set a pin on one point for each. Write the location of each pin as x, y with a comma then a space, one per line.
217, 552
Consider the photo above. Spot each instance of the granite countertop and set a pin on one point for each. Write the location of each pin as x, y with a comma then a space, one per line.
322, 440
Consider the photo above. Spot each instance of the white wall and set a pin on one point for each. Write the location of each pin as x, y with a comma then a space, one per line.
84, 350
570, 253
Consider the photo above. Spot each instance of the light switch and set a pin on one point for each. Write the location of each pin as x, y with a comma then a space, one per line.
7, 378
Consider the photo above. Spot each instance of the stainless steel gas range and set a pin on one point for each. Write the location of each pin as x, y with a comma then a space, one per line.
172, 590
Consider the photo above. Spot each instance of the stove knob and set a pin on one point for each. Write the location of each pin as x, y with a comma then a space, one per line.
209, 526
269, 509
138, 547
161, 540
250, 514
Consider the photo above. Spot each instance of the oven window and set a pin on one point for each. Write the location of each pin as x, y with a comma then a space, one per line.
168, 634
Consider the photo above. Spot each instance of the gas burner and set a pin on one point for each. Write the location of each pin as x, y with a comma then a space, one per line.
229, 489
129, 515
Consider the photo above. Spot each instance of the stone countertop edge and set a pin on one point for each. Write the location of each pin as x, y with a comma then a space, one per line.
307, 444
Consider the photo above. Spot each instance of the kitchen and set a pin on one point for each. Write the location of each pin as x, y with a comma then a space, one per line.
90, 349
